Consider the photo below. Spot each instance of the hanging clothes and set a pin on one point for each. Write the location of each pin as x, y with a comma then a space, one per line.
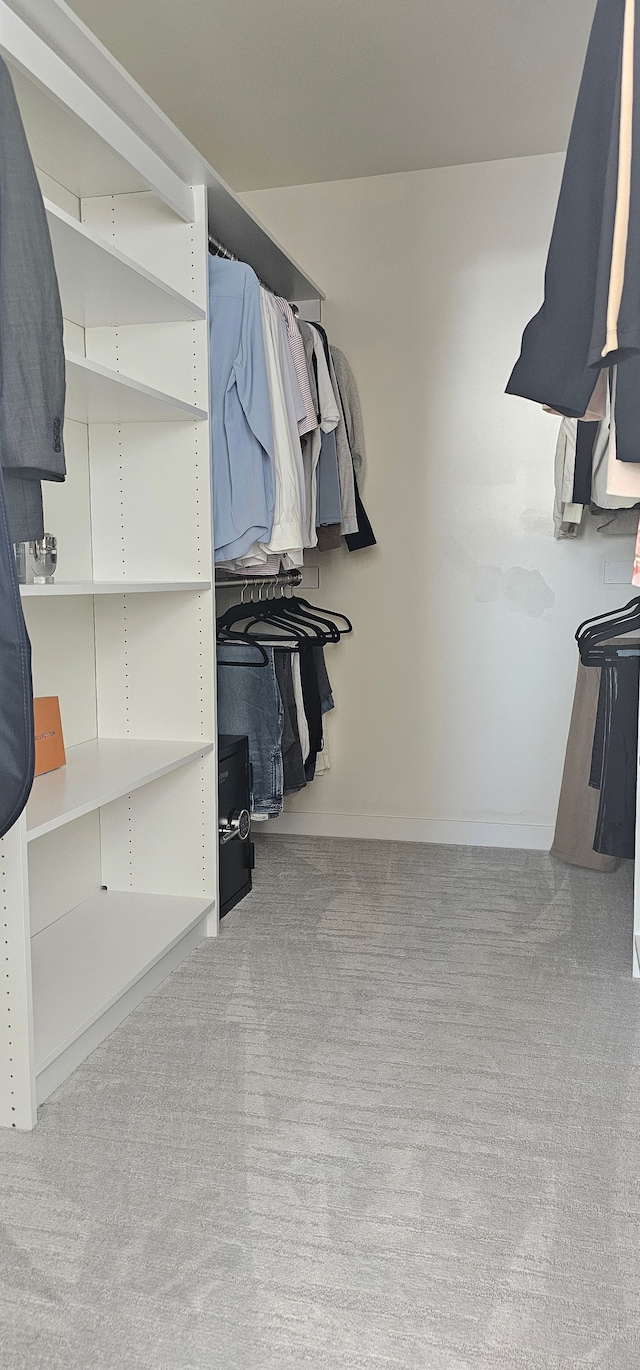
319, 456
286, 448
579, 802
308, 420
591, 311
32, 368
279, 705
287, 536
294, 778
566, 516
303, 726
329, 537
602, 748
586, 457
615, 757
349, 518
250, 705
328, 498
279, 708
311, 441
350, 400
242, 445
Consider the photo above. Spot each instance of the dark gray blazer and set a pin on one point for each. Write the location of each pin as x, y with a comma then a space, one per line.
32, 384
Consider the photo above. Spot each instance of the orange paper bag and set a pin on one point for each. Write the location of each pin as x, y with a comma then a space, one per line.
50, 753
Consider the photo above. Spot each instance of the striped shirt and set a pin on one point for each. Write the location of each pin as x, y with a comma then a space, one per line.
296, 347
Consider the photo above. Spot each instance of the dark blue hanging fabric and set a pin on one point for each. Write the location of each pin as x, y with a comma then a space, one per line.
563, 346
17, 754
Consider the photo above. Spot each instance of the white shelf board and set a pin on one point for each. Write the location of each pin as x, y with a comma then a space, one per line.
88, 959
101, 286
98, 772
95, 394
114, 587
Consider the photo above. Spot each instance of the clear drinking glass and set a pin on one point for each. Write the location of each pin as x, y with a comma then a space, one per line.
43, 555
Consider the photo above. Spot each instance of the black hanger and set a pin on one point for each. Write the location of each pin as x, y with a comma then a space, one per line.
225, 635
330, 613
267, 612
292, 611
597, 631
613, 615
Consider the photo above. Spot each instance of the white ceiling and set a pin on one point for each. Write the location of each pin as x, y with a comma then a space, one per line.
281, 92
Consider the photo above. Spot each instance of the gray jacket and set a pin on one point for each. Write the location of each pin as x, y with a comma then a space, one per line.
32, 378
351, 410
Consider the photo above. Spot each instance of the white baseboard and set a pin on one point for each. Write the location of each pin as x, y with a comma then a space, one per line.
532, 836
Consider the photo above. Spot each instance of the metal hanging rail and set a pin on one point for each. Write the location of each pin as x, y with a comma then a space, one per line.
219, 249
282, 579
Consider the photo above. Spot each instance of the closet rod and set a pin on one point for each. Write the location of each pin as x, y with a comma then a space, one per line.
220, 250
292, 577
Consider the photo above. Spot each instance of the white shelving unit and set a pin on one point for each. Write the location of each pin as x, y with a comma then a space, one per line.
109, 877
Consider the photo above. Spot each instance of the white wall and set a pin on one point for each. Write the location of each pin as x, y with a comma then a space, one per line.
453, 695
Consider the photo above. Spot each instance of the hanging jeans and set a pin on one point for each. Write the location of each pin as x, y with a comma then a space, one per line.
615, 757
249, 704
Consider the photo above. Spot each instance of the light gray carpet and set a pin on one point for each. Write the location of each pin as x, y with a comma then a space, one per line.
391, 1119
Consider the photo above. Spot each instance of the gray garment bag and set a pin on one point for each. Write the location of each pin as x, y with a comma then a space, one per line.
16, 695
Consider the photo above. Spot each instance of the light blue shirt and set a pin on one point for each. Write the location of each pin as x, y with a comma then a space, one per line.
241, 425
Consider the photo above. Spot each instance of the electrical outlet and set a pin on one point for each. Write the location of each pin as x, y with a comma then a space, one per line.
618, 572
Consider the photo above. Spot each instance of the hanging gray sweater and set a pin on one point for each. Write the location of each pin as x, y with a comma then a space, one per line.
351, 409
